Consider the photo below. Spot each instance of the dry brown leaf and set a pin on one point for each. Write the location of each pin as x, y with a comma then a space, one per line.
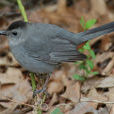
53, 100
93, 94
90, 84
96, 7
72, 92
14, 86
106, 82
109, 67
101, 58
6, 62
110, 94
68, 18
105, 43
64, 107
61, 6
103, 111
55, 87
83, 108
112, 109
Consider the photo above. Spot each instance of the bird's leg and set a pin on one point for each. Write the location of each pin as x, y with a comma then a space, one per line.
43, 88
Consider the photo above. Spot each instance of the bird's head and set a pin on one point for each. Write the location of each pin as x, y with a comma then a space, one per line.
15, 32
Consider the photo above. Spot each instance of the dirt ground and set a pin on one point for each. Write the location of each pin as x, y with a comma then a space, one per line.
95, 95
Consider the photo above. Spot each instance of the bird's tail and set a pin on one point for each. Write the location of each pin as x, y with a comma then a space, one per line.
93, 33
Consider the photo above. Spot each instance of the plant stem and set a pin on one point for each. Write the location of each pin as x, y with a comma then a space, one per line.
33, 81
22, 9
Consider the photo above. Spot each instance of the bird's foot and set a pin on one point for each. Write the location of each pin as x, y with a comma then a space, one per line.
39, 91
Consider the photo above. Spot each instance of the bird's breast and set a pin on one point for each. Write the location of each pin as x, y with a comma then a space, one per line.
30, 63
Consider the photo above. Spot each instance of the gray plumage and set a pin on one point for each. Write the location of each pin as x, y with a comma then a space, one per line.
40, 48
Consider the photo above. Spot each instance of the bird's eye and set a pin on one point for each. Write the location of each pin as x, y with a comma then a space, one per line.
14, 33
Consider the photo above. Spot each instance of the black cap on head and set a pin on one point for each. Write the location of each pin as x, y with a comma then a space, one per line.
17, 24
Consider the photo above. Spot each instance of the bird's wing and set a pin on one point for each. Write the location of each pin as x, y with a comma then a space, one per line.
51, 47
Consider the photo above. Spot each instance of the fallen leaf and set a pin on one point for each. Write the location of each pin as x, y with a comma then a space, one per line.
14, 86
72, 92
83, 108
93, 94
112, 109
103, 111
55, 86
106, 82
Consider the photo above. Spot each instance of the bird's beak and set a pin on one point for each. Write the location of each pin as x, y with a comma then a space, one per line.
3, 33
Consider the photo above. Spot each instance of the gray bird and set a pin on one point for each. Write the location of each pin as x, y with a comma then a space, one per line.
40, 48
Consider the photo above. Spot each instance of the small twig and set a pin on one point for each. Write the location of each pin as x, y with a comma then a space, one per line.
63, 104
20, 103
32, 106
96, 101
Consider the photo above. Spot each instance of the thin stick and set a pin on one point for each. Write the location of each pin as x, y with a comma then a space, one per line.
32, 106
96, 101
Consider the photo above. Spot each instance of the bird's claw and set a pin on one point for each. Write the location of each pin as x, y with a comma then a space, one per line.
39, 91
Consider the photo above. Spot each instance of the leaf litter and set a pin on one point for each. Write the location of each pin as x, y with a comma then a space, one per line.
95, 94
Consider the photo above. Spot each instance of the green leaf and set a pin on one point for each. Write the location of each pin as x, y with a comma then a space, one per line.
78, 77
39, 111
88, 56
82, 66
87, 71
90, 63
82, 22
87, 46
56, 111
81, 50
87, 65
95, 73
92, 53
90, 23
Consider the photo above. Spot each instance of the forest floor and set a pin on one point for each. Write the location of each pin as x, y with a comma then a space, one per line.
95, 95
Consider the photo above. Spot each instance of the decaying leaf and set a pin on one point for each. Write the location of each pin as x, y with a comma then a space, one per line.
14, 86
112, 110
93, 94
83, 108
106, 82
72, 92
